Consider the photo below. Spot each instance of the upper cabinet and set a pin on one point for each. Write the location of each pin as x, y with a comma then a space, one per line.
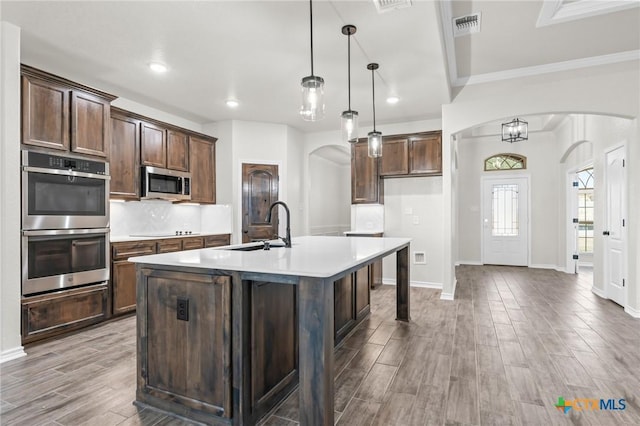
366, 187
417, 154
63, 115
202, 159
164, 147
141, 141
124, 156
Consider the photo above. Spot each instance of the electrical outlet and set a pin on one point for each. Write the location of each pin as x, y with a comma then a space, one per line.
182, 309
416, 220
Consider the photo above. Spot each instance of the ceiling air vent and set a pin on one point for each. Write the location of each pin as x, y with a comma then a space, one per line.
389, 5
467, 24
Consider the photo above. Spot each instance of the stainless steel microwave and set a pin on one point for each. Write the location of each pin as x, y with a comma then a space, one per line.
165, 184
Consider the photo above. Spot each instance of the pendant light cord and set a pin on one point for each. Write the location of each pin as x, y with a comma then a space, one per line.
349, 68
311, 26
373, 89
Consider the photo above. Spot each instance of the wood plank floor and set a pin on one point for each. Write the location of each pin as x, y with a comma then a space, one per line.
513, 341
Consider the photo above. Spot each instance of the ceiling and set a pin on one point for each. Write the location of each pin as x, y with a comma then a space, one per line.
257, 51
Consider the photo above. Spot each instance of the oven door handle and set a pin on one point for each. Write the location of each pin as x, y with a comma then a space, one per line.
28, 233
65, 173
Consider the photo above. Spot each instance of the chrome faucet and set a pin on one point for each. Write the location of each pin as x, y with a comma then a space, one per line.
287, 238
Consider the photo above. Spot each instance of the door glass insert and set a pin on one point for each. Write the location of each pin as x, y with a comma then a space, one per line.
505, 210
585, 210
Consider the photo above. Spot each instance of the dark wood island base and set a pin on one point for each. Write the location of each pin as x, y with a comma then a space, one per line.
225, 347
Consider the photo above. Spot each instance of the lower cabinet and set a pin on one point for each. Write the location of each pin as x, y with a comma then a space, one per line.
351, 301
123, 273
51, 314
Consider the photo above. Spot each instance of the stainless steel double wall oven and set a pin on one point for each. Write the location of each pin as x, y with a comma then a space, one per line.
65, 222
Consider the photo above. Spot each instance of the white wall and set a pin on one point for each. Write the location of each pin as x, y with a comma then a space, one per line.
544, 184
294, 183
413, 209
608, 89
10, 279
330, 196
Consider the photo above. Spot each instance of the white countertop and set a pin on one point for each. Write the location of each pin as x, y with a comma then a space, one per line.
368, 232
124, 238
310, 256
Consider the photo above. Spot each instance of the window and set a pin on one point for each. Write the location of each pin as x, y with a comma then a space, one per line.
505, 162
505, 210
585, 210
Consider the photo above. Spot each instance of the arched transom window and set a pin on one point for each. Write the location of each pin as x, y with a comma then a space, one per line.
505, 162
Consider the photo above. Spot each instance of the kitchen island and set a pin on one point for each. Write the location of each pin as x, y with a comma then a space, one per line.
226, 333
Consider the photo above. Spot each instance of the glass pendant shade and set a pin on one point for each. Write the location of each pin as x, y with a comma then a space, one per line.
349, 126
374, 140
312, 108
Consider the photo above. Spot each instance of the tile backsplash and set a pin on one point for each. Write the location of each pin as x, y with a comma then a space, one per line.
157, 216
367, 217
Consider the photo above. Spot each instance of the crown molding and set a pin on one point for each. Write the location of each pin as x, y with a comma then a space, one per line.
631, 55
559, 11
446, 16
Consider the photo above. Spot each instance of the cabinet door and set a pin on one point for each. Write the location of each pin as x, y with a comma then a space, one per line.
124, 158
89, 124
425, 154
153, 145
202, 160
362, 277
365, 181
395, 157
45, 114
343, 313
168, 246
177, 151
123, 282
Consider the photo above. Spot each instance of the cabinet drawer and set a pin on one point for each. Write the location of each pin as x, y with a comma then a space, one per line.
192, 243
217, 240
51, 314
125, 250
167, 246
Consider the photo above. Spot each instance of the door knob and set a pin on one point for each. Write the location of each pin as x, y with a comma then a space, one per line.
605, 233
246, 231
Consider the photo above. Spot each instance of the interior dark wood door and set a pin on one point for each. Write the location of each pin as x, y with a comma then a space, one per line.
259, 190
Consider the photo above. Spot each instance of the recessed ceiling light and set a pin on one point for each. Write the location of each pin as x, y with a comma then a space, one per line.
158, 67
393, 100
232, 103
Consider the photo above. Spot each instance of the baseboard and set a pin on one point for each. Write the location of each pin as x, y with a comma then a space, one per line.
469, 262
633, 312
13, 353
423, 284
547, 266
598, 292
450, 296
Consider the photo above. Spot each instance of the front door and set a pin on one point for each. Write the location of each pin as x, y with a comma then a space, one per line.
505, 221
614, 231
259, 190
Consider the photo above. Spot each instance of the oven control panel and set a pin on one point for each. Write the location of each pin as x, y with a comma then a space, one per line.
49, 161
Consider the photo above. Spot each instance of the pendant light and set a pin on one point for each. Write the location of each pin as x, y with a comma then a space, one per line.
312, 108
515, 131
349, 118
374, 138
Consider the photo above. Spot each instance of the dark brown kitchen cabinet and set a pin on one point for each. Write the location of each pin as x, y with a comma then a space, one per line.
123, 273
395, 156
425, 154
177, 150
418, 154
362, 283
192, 243
202, 161
124, 159
64, 115
217, 240
343, 307
153, 145
51, 314
366, 187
